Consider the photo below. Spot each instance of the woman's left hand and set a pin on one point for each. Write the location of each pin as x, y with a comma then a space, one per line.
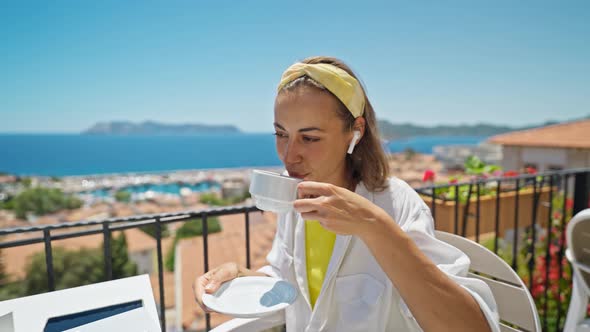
337, 209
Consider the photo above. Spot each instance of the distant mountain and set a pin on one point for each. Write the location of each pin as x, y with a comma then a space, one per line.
396, 131
155, 128
390, 131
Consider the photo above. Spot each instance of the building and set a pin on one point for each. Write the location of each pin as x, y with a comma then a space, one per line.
549, 148
453, 156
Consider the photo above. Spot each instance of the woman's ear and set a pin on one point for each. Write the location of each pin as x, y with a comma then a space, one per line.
358, 129
359, 125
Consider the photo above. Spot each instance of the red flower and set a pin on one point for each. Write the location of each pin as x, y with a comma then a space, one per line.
531, 170
428, 175
554, 275
538, 289
509, 174
569, 203
453, 180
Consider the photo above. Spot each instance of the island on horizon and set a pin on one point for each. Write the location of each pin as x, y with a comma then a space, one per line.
389, 131
157, 128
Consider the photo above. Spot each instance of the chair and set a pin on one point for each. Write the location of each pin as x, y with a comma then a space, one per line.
516, 306
578, 253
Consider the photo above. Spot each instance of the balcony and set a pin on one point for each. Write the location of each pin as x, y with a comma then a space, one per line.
520, 218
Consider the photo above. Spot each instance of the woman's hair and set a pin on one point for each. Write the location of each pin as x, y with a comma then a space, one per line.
368, 162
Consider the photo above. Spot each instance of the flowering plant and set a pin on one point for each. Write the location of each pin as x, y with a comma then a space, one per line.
476, 169
552, 274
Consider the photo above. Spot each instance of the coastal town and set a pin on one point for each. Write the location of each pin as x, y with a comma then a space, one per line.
148, 193
102, 197
27, 201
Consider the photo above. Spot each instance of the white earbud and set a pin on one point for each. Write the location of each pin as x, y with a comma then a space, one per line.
355, 137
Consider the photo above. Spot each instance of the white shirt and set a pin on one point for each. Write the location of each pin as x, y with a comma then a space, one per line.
356, 294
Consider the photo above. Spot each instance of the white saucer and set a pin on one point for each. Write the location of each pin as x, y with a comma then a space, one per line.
248, 297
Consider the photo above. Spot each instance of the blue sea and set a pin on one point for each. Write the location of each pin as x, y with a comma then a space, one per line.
62, 155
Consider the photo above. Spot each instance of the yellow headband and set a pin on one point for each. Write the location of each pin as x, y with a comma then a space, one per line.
339, 82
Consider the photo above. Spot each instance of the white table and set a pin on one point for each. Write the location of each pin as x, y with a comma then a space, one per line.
31, 313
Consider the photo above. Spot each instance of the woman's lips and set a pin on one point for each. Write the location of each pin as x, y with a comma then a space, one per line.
297, 175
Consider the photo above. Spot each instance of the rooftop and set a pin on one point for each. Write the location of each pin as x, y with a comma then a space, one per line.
570, 135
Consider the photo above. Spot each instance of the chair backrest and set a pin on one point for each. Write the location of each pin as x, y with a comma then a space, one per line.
516, 306
578, 242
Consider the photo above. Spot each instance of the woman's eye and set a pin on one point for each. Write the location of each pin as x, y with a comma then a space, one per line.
308, 139
280, 135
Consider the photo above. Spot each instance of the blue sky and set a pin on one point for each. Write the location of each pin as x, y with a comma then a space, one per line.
65, 65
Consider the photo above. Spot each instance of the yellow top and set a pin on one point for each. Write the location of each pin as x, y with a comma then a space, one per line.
318, 249
343, 85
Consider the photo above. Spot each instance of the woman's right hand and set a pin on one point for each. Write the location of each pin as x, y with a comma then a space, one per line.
212, 280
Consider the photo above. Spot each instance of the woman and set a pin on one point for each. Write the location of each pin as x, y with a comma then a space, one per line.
360, 246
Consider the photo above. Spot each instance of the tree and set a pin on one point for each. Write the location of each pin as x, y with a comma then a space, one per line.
8, 290
42, 201
123, 196
74, 268
213, 199
26, 182
151, 230
194, 227
122, 266
409, 153
71, 268
7, 204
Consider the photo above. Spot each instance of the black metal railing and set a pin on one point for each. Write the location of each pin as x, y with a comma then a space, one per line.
108, 226
551, 191
566, 192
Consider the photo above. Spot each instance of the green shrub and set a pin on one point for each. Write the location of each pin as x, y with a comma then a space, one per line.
41, 201
123, 196
151, 230
213, 199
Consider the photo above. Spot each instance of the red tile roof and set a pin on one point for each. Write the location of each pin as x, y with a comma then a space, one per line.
574, 134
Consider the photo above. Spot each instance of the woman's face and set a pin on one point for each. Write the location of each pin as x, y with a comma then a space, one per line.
310, 139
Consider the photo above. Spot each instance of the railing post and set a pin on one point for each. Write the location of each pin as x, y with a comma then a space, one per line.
531, 262
581, 192
49, 260
515, 238
108, 260
161, 273
466, 210
247, 214
561, 245
497, 223
206, 261
548, 252
433, 206
477, 212
456, 219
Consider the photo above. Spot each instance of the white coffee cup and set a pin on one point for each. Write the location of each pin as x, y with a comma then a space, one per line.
272, 191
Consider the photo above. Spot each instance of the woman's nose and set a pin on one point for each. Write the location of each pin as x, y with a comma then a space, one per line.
292, 153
